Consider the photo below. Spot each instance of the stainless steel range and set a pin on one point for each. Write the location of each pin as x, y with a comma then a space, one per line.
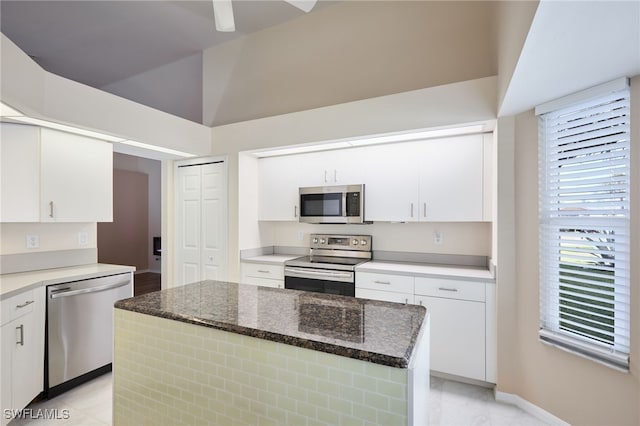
330, 266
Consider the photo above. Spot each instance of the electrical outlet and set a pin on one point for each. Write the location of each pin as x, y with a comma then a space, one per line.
300, 235
83, 238
33, 241
437, 237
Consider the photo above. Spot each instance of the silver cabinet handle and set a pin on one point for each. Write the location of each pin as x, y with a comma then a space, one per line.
325, 177
264, 271
50, 208
406, 300
382, 282
447, 289
335, 175
21, 341
424, 209
411, 209
25, 304
295, 211
420, 303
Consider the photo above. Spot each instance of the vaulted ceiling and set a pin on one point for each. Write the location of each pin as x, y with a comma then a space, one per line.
152, 51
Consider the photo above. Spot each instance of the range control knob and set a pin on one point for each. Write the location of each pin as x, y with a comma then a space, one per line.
315, 241
354, 242
363, 242
322, 240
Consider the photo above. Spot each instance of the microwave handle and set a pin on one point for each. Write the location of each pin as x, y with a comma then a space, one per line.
344, 204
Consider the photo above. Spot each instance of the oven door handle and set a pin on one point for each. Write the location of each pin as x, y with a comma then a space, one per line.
318, 272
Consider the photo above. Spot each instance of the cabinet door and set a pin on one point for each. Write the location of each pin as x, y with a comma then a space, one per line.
8, 341
20, 168
391, 183
27, 361
76, 178
278, 188
457, 336
338, 167
451, 179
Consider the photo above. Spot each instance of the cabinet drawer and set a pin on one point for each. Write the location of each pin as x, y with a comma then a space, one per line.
263, 270
387, 296
385, 282
262, 282
450, 289
17, 306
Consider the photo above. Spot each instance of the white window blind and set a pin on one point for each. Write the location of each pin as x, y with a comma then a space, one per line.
584, 227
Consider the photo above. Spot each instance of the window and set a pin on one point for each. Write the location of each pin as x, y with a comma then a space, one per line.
584, 224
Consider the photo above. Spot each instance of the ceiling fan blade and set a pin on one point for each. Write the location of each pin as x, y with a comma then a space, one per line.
304, 5
223, 15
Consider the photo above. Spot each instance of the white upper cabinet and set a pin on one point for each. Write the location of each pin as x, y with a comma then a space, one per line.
20, 167
278, 188
391, 185
76, 179
437, 180
451, 179
281, 177
53, 176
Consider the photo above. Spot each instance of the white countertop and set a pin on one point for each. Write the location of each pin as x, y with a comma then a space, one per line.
11, 284
473, 273
271, 258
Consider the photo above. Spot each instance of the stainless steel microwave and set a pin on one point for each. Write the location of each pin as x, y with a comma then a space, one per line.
332, 204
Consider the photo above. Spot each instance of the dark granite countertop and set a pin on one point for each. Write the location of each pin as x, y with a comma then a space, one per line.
374, 331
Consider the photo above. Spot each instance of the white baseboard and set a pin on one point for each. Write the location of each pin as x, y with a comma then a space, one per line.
530, 408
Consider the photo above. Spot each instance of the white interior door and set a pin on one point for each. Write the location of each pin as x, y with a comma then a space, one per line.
214, 222
201, 222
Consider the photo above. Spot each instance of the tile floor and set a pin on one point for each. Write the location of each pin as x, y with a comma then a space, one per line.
450, 403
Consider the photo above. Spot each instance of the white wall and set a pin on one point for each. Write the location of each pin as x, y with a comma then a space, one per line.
577, 390
465, 102
348, 51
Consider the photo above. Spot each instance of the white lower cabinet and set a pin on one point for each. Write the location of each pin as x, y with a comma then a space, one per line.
262, 274
22, 361
458, 323
462, 318
457, 336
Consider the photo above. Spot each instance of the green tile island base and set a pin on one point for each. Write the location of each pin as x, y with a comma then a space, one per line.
172, 372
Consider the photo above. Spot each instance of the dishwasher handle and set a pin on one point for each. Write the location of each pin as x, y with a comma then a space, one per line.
65, 292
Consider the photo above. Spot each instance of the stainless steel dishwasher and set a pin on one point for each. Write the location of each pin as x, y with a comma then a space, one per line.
80, 329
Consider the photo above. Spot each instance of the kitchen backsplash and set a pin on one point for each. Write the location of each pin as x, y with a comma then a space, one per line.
35, 246
468, 238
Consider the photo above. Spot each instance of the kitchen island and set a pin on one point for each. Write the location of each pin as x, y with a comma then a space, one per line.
223, 353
